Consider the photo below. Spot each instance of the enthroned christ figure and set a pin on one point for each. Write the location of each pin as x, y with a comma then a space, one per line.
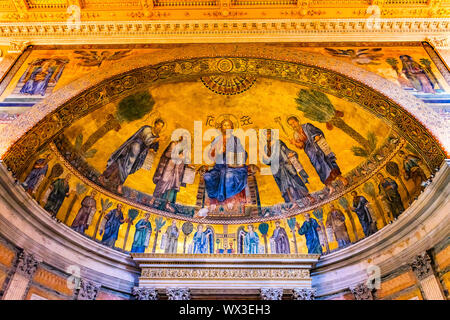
226, 182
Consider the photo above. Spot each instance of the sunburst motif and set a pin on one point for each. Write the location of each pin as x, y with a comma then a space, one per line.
228, 84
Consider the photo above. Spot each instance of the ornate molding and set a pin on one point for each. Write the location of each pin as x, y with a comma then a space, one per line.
303, 294
271, 293
212, 273
182, 29
178, 293
27, 264
362, 292
18, 46
88, 290
421, 266
439, 42
145, 293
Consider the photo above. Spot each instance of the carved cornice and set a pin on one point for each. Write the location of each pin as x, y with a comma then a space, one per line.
224, 274
54, 10
208, 30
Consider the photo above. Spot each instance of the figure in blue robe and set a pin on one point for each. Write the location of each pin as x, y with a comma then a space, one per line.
360, 204
142, 235
202, 241
228, 177
291, 185
39, 170
40, 77
309, 230
251, 241
305, 137
28, 87
114, 219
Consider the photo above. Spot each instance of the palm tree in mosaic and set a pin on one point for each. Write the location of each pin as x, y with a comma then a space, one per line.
291, 223
370, 190
362, 152
159, 223
427, 64
133, 107
80, 189
132, 214
344, 204
264, 228
106, 204
316, 106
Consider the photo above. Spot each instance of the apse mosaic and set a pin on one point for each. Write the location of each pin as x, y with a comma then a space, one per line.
342, 175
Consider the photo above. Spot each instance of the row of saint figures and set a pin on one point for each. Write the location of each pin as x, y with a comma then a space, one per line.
341, 226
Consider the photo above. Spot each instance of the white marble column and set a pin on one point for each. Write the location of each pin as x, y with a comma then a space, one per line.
428, 281
26, 267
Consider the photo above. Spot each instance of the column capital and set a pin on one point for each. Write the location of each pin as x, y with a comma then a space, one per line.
362, 292
88, 290
17, 46
178, 294
145, 293
27, 264
421, 265
303, 294
271, 293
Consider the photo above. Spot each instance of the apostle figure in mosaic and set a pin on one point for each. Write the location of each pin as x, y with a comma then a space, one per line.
37, 174
131, 155
114, 220
388, 190
226, 182
312, 140
310, 229
291, 185
168, 176
336, 222
412, 170
170, 238
142, 234
59, 190
416, 75
280, 240
85, 214
251, 241
361, 208
202, 241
